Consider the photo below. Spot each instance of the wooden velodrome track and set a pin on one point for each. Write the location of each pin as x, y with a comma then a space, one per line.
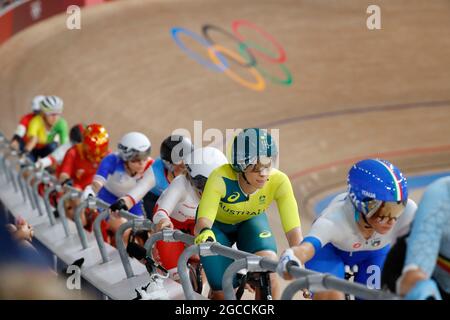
355, 93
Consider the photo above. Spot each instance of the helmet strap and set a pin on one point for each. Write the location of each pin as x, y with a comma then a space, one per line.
366, 222
245, 178
366, 225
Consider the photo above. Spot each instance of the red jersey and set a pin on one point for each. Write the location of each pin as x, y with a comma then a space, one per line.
80, 170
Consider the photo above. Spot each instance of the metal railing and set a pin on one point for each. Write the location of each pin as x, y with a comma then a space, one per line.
305, 279
134, 222
135, 225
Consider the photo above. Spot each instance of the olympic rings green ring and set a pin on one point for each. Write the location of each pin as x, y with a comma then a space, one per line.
287, 81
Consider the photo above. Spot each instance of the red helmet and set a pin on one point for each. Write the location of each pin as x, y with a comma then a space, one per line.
95, 142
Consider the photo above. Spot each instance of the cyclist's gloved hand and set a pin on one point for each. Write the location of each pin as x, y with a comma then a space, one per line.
205, 235
118, 205
88, 192
25, 156
288, 257
424, 290
67, 182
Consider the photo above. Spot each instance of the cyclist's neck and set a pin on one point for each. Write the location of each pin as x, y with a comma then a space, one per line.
246, 187
169, 175
130, 172
46, 124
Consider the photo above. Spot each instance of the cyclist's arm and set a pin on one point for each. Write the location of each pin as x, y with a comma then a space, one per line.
60, 152
288, 210
32, 134
304, 252
169, 199
107, 167
144, 185
32, 142
209, 203
21, 130
424, 241
63, 131
67, 165
320, 234
294, 237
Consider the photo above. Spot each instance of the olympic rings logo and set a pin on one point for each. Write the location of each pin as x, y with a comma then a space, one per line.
247, 55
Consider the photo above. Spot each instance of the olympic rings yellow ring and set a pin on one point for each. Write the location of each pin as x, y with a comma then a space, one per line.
259, 85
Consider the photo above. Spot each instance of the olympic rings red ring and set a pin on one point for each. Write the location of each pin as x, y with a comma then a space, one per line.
282, 53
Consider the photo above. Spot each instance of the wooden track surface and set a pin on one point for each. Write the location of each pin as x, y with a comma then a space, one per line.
355, 93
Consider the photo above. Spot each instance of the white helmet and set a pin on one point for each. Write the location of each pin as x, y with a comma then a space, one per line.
51, 104
202, 162
134, 145
36, 103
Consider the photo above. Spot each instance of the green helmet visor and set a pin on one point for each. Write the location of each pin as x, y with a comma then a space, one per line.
252, 146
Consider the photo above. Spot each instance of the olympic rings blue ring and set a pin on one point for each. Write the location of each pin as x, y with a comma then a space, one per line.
207, 63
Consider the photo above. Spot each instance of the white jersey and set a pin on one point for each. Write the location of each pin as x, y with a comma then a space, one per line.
179, 201
337, 225
56, 156
112, 174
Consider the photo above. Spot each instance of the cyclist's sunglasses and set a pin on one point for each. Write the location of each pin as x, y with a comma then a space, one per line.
141, 156
386, 211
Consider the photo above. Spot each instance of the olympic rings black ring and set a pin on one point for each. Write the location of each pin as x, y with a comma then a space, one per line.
205, 31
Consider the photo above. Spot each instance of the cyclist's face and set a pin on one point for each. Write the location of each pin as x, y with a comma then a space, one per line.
258, 174
179, 169
51, 118
137, 165
386, 217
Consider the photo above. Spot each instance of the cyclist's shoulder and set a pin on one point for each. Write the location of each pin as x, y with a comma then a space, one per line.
338, 210
27, 117
179, 182
440, 186
61, 123
37, 120
277, 178
224, 171
112, 160
157, 164
73, 150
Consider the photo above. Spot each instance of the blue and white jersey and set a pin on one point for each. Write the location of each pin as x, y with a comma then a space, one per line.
114, 177
337, 225
429, 241
161, 183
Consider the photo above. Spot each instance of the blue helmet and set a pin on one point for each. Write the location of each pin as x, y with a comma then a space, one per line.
374, 181
249, 146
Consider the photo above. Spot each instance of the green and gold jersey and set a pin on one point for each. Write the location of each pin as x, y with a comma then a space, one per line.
224, 201
37, 129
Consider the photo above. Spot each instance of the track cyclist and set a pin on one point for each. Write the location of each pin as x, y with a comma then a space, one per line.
169, 165
45, 128
80, 165
176, 207
118, 173
19, 138
54, 159
233, 206
357, 227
